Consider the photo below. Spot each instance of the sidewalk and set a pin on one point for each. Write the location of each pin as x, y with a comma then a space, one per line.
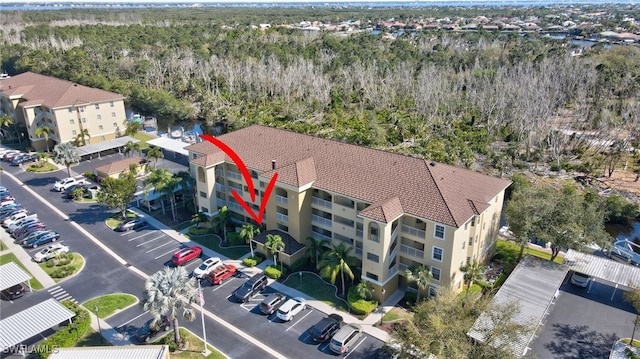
24, 257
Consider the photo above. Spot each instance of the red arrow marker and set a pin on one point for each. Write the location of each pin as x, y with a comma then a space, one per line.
247, 178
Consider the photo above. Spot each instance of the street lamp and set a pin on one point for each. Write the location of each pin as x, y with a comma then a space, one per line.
95, 308
382, 305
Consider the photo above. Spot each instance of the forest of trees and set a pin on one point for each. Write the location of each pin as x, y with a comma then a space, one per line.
476, 98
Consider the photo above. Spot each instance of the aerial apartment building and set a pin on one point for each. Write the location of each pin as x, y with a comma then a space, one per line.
69, 110
396, 211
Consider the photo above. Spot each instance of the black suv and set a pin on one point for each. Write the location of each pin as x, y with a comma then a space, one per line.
271, 303
325, 328
251, 287
151, 327
12, 293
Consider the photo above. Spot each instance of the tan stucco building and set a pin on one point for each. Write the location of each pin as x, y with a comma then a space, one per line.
66, 108
396, 211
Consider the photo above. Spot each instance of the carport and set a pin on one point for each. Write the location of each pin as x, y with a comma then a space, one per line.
30, 322
169, 144
619, 274
11, 274
98, 148
533, 285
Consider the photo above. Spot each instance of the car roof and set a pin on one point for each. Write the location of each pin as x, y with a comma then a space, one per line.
345, 331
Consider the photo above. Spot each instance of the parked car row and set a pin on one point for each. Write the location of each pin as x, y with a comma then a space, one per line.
24, 226
16, 158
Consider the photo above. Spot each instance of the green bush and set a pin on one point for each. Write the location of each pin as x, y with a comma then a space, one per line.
168, 340
70, 334
300, 263
360, 306
250, 262
200, 231
410, 298
49, 264
234, 239
273, 272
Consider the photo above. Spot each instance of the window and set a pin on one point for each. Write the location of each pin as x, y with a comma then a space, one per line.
111, 104
470, 240
262, 184
74, 132
372, 276
432, 291
419, 221
435, 271
81, 109
102, 138
437, 254
372, 257
84, 120
439, 232
203, 194
473, 221
99, 117
70, 110
100, 127
97, 106
465, 226
115, 124
113, 114
468, 260
282, 227
373, 232
72, 122
204, 209
463, 244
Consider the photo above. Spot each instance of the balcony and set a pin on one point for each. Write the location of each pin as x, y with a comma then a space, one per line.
236, 207
394, 250
281, 199
358, 251
393, 270
282, 217
234, 175
359, 233
321, 202
220, 187
315, 219
416, 253
413, 231
403, 267
320, 237
221, 202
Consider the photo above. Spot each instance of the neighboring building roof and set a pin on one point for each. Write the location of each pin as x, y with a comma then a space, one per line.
122, 352
291, 246
603, 268
119, 166
533, 284
11, 274
32, 321
105, 145
170, 144
36, 89
424, 189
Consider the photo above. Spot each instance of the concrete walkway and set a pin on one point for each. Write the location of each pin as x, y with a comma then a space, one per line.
24, 257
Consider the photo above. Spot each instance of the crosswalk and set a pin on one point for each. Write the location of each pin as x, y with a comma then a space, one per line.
59, 294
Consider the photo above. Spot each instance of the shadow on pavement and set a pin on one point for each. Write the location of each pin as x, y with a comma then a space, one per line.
577, 342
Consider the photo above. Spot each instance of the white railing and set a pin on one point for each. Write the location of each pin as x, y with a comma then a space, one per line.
236, 207
358, 251
321, 202
221, 202
234, 175
393, 270
411, 251
413, 231
240, 192
320, 220
394, 234
219, 187
282, 199
319, 237
403, 267
282, 217
393, 252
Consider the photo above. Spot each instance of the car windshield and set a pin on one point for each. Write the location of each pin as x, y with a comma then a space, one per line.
203, 266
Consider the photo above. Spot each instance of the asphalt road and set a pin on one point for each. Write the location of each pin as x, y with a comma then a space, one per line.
149, 250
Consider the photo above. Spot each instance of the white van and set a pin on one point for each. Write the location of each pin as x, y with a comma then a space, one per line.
14, 218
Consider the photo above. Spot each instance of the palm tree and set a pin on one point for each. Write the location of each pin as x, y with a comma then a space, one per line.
168, 292
316, 248
473, 272
44, 131
199, 218
132, 128
247, 233
188, 187
133, 168
130, 147
364, 290
221, 221
337, 261
421, 275
157, 180
66, 154
275, 245
155, 153
6, 121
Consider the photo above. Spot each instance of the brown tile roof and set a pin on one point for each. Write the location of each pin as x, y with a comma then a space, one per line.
36, 89
384, 211
291, 246
424, 189
210, 159
119, 166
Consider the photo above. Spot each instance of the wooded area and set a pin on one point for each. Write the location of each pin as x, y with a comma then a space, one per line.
472, 98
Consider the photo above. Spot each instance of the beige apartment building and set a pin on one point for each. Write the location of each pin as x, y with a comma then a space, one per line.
66, 108
395, 211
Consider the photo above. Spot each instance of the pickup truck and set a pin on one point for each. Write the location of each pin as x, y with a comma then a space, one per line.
63, 184
17, 217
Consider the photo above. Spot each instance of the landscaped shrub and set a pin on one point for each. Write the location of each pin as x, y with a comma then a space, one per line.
68, 335
273, 272
199, 231
410, 298
234, 239
300, 263
250, 262
359, 305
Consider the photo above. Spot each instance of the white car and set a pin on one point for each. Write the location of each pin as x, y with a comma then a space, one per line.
32, 218
18, 218
290, 308
63, 184
580, 280
50, 252
206, 267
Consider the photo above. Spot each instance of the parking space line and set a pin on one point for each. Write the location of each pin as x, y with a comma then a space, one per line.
299, 320
132, 319
356, 347
169, 252
221, 285
160, 246
140, 236
149, 241
326, 345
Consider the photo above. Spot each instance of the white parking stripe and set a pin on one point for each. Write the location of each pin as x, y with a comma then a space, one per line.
227, 281
140, 236
169, 252
356, 347
132, 319
160, 246
149, 241
299, 320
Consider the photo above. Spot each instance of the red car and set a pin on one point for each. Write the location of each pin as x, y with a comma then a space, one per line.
218, 275
186, 255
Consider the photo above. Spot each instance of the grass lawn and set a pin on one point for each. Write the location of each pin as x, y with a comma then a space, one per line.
2, 246
42, 166
114, 220
143, 137
212, 242
92, 339
396, 313
10, 257
315, 287
181, 226
194, 351
77, 263
509, 252
110, 303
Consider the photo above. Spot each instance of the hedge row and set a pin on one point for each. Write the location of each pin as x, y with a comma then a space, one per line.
69, 335
253, 261
359, 305
274, 272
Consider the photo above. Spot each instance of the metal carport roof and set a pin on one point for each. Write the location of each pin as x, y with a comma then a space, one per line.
11, 274
104, 146
604, 268
170, 144
533, 285
33, 321
124, 352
